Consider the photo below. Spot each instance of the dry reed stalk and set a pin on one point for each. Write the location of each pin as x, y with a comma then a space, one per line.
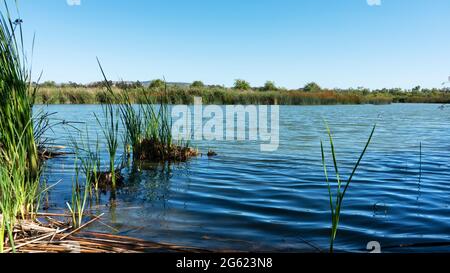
35, 237
82, 226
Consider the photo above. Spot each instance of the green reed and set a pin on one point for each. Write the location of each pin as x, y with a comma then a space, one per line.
133, 122
79, 198
110, 129
342, 185
20, 169
16, 95
8, 208
19, 195
158, 124
92, 168
89, 160
148, 125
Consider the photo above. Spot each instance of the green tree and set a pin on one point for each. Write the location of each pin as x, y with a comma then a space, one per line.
198, 84
270, 86
158, 83
137, 84
49, 84
312, 87
241, 85
417, 89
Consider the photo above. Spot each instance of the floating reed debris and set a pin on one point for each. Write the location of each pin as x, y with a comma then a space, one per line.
57, 236
105, 182
152, 150
51, 152
211, 153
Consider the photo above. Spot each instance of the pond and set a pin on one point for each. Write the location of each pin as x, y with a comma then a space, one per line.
246, 199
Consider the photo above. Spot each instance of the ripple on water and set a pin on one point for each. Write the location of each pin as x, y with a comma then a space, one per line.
251, 200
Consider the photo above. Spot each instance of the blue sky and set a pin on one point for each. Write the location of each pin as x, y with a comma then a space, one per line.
337, 43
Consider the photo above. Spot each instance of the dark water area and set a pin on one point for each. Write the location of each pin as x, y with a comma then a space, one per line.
245, 199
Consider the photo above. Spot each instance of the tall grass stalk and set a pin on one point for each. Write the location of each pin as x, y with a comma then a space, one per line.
92, 168
19, 162
8, 209
89, 159
158, 125
110, 129
16, 95
79, 199
132, 120
19, 195
342, 186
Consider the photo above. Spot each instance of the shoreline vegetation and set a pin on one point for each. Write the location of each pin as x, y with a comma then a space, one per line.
241, 93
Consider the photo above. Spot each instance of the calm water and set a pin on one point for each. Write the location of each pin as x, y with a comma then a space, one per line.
245, 199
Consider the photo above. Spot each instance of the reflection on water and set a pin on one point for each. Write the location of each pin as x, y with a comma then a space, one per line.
245, 199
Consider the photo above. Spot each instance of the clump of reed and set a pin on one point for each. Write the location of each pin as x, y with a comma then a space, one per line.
19, 194
90, 162
336, 200
16, 98
110, 129
90, 180
148, 127
155, 141
80, 196
19, 161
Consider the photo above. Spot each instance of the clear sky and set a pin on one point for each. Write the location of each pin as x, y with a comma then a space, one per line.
337, 43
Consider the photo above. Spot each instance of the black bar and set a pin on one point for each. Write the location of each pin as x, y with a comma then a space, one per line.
217, 262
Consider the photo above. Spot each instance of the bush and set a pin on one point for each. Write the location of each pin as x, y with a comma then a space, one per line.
198, 84
269, 86
241, 85
312, 87
158, 83
48, 84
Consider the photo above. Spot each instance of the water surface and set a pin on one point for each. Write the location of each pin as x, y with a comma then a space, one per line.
245, 199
